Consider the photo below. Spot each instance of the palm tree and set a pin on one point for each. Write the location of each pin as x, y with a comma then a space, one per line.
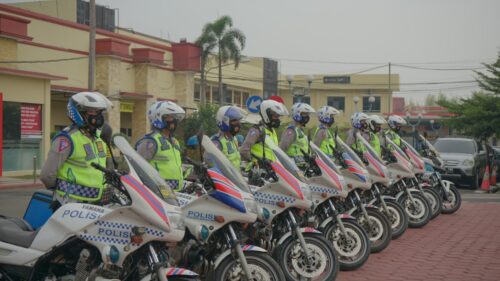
228, 42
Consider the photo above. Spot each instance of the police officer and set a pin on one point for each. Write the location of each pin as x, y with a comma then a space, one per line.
160, 147
323, 137
395, 123
68, 167
228, 120
375, 123
293, 140
359, 123
271, 112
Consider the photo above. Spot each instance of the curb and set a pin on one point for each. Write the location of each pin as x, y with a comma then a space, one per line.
21, 185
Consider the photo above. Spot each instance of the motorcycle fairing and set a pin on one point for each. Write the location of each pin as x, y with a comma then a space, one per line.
225, 190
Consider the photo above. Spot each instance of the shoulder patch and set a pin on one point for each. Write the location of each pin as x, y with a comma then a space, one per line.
63, 144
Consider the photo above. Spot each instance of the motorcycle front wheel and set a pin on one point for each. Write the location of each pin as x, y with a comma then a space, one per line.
435, 202
353, 248
261, 266
321, 265
378, 229
454, 201
418, 210
397, 218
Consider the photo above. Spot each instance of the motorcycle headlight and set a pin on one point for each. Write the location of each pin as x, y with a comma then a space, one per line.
251, 206
177, 221
468, 162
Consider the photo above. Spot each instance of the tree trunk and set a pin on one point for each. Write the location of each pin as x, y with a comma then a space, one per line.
222, 95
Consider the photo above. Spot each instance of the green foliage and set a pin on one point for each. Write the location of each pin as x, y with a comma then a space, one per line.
203, 119
479, 115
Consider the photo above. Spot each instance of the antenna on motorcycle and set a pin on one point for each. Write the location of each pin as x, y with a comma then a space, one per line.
106, 133
199, 137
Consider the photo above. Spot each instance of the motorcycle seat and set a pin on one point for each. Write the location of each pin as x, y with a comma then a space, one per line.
16, 231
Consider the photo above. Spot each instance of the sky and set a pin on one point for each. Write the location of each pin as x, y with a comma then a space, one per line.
342, 37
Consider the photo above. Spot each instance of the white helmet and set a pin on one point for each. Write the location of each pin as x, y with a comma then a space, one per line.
268, 107
297, 110
227, 113
160, 109
83, 102
326, 114
395, 122
375, 123
357, 120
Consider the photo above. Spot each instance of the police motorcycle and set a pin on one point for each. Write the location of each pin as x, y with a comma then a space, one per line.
123, 240
328, 188
435, 201
432, 178
283, 199
215, 210
379, 174
375, 223
411, 199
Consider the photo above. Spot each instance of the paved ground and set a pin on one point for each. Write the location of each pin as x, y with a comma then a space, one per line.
462, 246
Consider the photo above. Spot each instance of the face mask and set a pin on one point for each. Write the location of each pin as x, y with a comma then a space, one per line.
364, 126
234, 129
95, 121
171, 125
305, 120
331, 122
397, 128
275, 123
378, 129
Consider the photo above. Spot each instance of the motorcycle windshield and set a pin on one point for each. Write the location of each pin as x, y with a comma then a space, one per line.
372, 157
415, 157
146, 173
285, 160
327, 160
397, 152
220, 163
347, 151
430, 146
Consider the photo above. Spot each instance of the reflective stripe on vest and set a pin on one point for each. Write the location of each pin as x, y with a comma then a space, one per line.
167, 160
257, 147
230, 149
76, 177
327, 144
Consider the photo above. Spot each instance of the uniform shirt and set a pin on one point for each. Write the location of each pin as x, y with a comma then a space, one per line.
320, 136
287, 138
253, 136
59, 152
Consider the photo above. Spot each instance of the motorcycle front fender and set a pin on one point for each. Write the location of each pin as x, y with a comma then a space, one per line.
388, 198
343, 217
245, 248
302, 230
412, 190
447, 185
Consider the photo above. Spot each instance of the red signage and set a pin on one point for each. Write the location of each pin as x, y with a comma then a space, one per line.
31, 120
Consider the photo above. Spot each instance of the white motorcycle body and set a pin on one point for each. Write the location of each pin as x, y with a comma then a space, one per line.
108, 228
356, 174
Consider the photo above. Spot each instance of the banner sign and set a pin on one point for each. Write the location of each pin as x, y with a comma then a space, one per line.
31, 120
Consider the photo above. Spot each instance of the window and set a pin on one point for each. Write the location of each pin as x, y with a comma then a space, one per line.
207, 93
228, 97
245, 97
237, 98
197, 95
215, 94
337, 102
22, 135
303, 99
371, 106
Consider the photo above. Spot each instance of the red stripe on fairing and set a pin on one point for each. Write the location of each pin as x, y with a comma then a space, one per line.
148, 196
224, 187
289, 178
374, 163
414, 157
216, 175
329, 171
